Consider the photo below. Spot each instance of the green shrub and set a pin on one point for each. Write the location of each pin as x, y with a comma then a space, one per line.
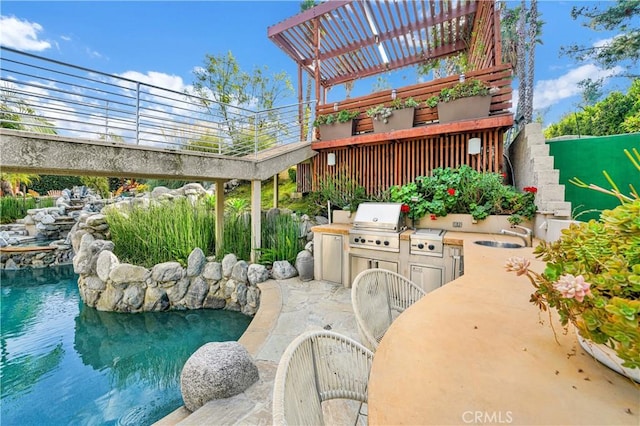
13, 208
464, 190
280, 239
162, 233
54, 183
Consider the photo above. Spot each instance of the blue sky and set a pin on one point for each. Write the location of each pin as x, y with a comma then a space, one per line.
161, 42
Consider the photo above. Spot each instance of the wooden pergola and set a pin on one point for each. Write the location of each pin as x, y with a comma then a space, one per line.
344, 40
340, 41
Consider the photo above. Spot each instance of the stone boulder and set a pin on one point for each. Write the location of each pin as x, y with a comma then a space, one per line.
257, 274
283, 270
216, 370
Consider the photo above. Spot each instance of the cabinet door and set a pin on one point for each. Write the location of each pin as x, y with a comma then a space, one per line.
428, 278
357, 265
332, 258
384, 264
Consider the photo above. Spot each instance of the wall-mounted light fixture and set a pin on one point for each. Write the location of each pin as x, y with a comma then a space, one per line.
331, 159
394, 94
473, 146
461, 78
335, 106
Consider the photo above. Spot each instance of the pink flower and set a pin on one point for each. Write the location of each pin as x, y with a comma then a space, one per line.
519, 265
572, 287
451, 191
404, 208
531, 189
433, 217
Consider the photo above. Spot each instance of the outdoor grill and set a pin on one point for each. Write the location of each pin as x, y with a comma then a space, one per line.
376, 226
427, 242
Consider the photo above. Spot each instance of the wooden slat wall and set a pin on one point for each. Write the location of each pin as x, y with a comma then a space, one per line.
485, 40
497, 76
379, 166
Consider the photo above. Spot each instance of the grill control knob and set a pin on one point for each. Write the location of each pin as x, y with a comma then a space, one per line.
431, 247
420, 246
378, 242
356, 240
386, 243
362, 240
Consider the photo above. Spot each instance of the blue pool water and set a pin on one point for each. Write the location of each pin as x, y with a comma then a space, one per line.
64, 363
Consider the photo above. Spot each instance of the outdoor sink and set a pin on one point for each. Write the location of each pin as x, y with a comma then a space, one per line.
499, 244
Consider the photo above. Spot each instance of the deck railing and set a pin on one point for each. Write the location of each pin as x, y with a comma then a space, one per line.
47, 96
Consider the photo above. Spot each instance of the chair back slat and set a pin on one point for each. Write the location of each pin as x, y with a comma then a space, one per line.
378, 296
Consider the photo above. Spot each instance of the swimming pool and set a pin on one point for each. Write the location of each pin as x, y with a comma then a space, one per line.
65, 363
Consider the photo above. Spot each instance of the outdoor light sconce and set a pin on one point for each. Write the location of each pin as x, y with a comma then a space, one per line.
394, 94
331, 159
335, 106
473, 146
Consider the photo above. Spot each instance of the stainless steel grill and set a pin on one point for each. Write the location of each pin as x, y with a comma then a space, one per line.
376, 226
427, 242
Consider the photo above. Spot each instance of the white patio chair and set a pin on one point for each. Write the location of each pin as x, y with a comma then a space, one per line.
318, 366
378, 296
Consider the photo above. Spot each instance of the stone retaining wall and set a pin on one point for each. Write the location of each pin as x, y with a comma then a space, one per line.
35, 257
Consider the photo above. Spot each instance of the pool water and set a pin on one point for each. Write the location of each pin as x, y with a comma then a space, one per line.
64, 363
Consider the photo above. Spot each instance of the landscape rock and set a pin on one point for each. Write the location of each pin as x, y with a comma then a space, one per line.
195, 262
239, 271
216, 370
257, 273
228, 262
283, 270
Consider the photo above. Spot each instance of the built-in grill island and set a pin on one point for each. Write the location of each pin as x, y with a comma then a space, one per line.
377, 238
376, 226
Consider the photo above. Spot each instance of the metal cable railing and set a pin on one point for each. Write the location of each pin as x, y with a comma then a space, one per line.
47, 96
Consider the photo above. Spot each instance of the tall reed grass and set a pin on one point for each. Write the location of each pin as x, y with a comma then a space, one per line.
162, 233
280, 239
12, 208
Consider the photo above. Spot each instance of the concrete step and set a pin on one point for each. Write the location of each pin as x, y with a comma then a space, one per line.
542, 163
558, 208
535, 138
546, 177
550, 193
539, 151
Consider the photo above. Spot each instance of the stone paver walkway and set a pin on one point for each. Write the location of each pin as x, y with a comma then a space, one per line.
288, 308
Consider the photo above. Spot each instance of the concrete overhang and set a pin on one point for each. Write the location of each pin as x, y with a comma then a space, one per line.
26, 152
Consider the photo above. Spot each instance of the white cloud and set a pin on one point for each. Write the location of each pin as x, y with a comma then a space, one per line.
22, 35
65, 38
550, 92
159, 79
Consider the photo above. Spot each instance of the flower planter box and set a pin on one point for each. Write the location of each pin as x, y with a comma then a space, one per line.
466, 223
336, 130
398, 120
464, 109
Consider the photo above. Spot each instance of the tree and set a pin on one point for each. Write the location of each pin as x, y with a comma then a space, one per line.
624, 48
230, 95
520, 31
616, 114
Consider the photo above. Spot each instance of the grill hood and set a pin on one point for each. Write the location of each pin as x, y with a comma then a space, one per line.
378, 217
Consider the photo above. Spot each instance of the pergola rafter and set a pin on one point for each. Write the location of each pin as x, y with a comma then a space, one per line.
344, 40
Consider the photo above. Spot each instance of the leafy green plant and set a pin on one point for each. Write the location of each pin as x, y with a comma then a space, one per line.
341, 192
467, 88
339, 117
464, 190
162, 232
382, 112
281, 239
12, 208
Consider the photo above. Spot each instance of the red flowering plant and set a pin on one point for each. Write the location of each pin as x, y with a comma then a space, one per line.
464, 190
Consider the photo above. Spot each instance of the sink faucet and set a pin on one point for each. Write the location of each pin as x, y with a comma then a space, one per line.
527, 236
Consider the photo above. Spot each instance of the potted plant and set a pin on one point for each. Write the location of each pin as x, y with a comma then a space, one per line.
468, 99
336, 125
592, 279
398, 116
